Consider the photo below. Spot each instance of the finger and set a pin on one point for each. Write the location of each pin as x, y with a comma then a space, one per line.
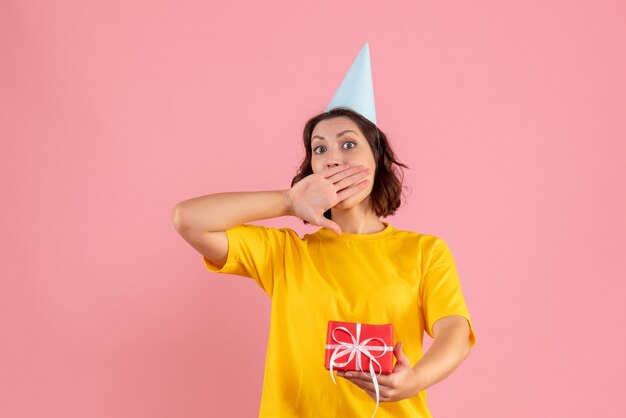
363, 384
369, 387
352, 190
327, 223
387, 381
359, 375
347, 172
385, 391
351, 179
403, 360
331, 171
362, 380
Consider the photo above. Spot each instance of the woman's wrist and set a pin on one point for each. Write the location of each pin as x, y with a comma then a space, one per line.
289, 202
422, 379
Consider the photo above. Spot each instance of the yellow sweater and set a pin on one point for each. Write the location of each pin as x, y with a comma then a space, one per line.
392, 276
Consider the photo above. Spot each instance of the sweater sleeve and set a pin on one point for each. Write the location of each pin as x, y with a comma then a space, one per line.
256, 252
441, 293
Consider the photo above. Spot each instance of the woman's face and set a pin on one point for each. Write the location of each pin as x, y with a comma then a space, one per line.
340, 141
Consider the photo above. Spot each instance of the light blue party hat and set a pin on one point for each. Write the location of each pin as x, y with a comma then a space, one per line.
356, 91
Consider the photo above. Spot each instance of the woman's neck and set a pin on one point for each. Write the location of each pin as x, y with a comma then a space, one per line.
359, 219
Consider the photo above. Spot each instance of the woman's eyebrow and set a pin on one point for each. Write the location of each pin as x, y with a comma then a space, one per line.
338, 135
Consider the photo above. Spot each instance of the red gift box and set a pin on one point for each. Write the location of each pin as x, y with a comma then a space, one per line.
353, 346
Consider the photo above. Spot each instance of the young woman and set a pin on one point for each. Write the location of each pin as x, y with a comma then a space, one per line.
355, 268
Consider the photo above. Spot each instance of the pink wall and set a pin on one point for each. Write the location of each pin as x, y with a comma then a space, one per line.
511, 116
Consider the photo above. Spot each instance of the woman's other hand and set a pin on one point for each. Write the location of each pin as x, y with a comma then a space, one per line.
318, 192
402, 383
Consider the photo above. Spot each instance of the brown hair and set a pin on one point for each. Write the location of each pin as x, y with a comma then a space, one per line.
387, 189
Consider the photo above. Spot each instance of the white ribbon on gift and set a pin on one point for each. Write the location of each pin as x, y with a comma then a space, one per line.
353, 349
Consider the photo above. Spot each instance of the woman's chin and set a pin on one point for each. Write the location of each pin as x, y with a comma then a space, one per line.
343, 206
351, 202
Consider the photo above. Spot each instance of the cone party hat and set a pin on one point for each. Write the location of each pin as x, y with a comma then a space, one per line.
356, 91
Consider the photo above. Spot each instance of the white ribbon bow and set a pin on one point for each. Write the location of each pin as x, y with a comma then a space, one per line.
353, 349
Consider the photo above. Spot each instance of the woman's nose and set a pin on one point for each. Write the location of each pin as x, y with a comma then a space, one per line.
333, 159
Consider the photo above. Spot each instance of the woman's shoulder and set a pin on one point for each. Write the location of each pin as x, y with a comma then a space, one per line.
423, 240
415, 234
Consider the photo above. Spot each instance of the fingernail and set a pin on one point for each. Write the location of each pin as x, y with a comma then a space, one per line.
348, 374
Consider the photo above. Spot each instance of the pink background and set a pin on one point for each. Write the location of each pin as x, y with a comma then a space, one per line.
511, 116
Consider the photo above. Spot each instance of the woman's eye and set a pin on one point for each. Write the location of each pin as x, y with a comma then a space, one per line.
319, 149
349, 145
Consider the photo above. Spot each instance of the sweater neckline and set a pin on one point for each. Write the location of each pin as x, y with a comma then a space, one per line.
327, 233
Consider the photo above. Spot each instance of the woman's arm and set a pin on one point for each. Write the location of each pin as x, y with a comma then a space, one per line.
449, 349
201, 221
220, 211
